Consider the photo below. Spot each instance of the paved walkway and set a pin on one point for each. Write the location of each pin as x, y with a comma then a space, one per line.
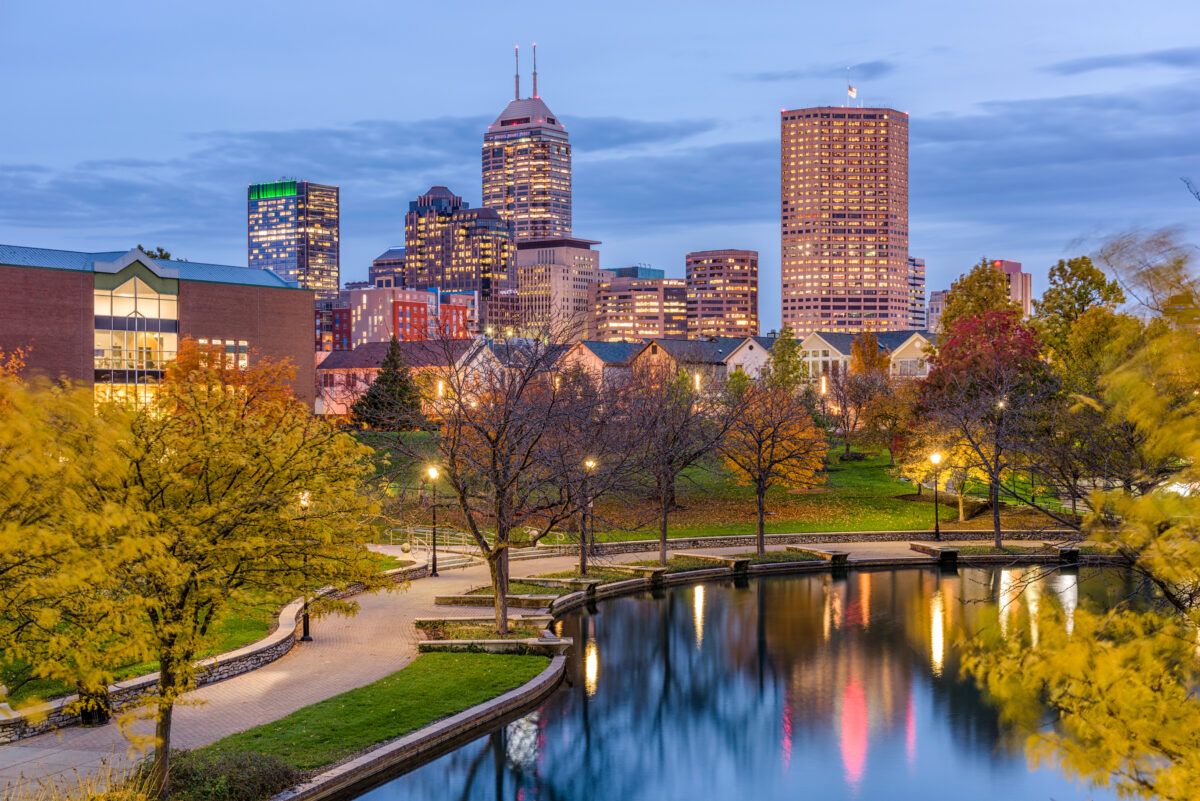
345, 653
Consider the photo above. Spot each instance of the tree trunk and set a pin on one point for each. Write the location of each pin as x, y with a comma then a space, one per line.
920, 486
160, 785
762, 512
662, 529
846, 440
962, 504
583, 542
497, 563
996, 512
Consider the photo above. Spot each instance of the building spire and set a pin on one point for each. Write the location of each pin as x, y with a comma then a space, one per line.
535, 94
517, 75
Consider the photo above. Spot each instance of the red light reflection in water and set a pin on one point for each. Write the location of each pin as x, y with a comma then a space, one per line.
854, 731
786, 739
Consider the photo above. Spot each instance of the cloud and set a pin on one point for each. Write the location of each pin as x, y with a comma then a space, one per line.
865, 71
1179, 57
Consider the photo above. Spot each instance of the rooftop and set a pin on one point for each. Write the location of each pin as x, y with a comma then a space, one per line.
370, 355
78, 261
526, 111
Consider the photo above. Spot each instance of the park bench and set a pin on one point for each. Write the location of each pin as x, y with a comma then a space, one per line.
945, 556
834, 558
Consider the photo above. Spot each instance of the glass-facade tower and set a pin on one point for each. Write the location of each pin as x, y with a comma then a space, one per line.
527, 170
293, 228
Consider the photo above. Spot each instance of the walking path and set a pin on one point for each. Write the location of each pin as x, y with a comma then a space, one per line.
345, 653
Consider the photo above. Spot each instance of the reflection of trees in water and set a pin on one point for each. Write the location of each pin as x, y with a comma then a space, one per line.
730, 678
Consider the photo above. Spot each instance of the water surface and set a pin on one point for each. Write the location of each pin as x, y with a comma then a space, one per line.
814, 686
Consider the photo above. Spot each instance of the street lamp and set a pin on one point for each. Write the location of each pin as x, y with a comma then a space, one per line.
432, 472
936, 459
305, 499
589, 465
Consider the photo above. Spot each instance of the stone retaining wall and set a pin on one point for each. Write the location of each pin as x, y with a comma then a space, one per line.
57, 713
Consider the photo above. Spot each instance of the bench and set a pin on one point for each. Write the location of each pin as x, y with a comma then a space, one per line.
946, 556
738, 563
834, 558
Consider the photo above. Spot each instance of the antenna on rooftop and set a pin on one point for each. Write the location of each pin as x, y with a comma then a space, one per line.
535, 94
517, 75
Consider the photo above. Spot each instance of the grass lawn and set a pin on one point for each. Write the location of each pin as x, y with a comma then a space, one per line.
601, 574
385, 562
678, 564
992, 550
433, 687
449, 630
516, 587
776, 557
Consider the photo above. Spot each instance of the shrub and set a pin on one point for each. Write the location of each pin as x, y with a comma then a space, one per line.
241, 776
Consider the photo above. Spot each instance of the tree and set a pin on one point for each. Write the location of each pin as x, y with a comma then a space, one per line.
987, 387
1076, 285
771, 440
888, 415
240, 490
677, 427
867, 358
1120, 682
787, 366
12, 363
157, 253
392, 402
981, 290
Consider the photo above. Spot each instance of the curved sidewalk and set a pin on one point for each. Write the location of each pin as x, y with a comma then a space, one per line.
345, 653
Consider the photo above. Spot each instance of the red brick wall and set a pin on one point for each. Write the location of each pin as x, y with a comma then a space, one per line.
51, 313
276, 322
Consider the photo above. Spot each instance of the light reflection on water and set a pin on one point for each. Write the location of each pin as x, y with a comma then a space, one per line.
800, 687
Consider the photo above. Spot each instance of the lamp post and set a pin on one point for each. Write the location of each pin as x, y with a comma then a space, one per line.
936, 459
432, 472
588, 466
305, 497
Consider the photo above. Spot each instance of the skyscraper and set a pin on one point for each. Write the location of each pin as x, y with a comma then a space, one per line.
1020, 284
293, 228
450, 246
844, 219
722, 293
916, 294
554, 280
527, 167
933, 313
638, 308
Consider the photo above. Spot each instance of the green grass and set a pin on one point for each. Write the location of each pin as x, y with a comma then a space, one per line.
777, 557
678, 564
521, 588
434, 686
449, 630
385, 562
1007, 550
857, 496
601, 574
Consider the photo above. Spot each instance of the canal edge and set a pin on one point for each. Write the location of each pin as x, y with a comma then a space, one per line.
383, 762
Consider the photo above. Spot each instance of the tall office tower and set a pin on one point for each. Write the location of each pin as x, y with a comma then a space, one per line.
387, 270
638, 308
638, 271
450, 246
527, 167
293, 229
933, 314
1020, 285
554, 281
916, 294
722, 293
844, 219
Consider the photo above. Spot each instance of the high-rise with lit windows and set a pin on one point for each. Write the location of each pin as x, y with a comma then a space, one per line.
722, 293
293, 229
844, 219
916, 294
527, 168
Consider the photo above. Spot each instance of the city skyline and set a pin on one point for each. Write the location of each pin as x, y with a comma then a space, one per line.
1085, 132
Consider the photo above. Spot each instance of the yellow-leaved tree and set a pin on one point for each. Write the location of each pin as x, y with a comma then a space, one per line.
240, 492
1109, 694
771, 439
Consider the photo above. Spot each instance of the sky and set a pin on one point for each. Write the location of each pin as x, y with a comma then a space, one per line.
1036, 128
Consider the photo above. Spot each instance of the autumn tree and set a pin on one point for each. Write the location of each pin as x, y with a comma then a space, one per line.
12, 362
392, 402
771, 440
1076, 286
981, 290
677, 425
239, 491
987, 387
1109, 694
887, 416
851, 390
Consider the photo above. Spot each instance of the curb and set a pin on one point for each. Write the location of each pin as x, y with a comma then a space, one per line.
384, 762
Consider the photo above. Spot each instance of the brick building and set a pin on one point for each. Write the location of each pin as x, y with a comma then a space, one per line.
111, 320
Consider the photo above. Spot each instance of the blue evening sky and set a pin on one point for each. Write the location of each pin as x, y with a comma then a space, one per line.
1036, 127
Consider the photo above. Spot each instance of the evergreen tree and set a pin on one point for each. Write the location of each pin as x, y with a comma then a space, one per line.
392, 402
